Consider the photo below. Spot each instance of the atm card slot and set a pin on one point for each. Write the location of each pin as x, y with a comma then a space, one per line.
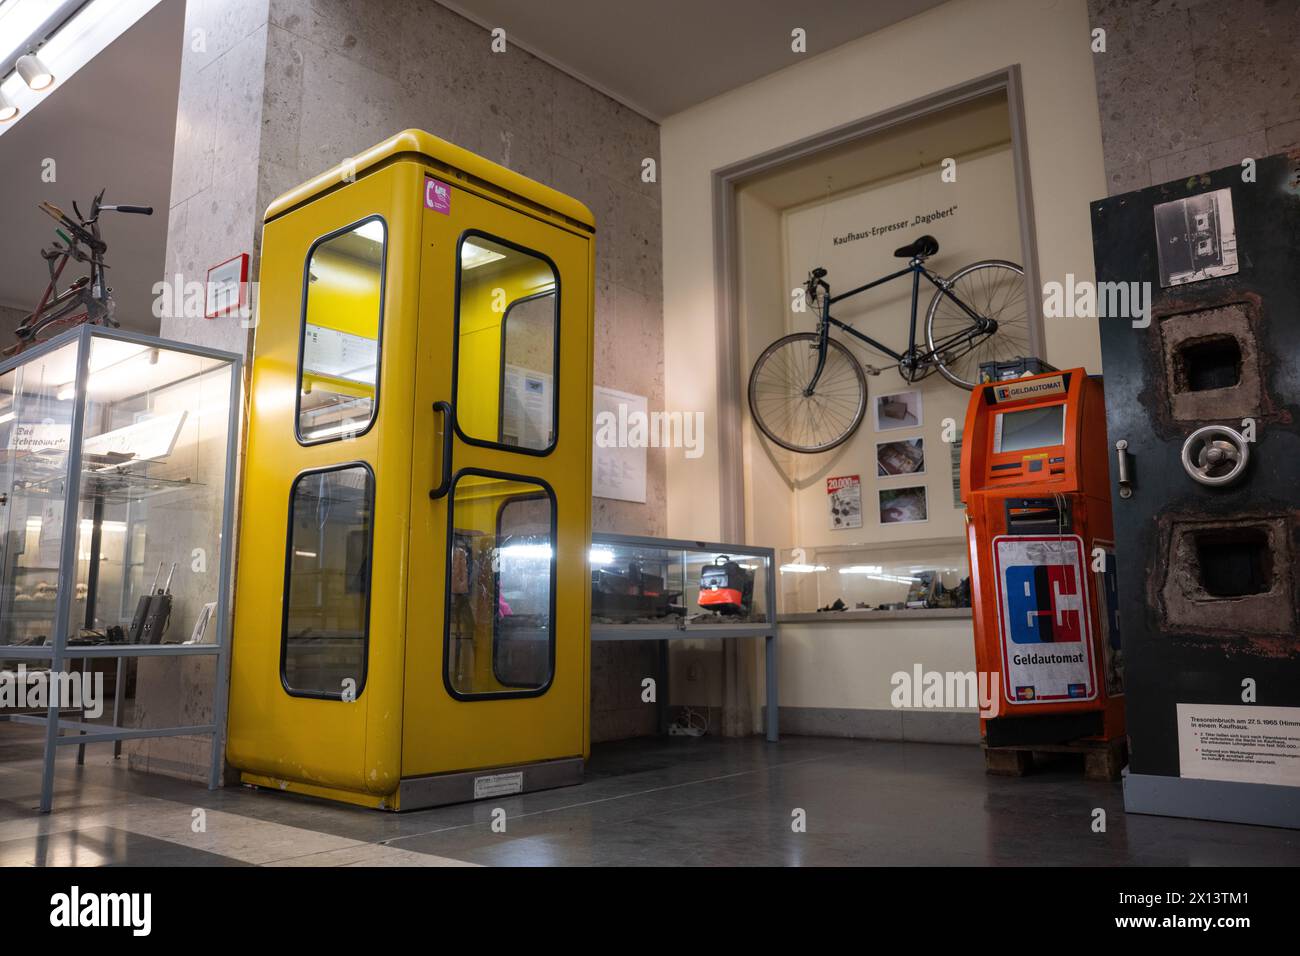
1034, 516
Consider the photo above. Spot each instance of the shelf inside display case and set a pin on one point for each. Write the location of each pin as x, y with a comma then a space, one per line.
116, 485
875, 581
651, 585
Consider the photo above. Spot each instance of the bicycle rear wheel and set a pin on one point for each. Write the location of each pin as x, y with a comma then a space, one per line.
992, 289
803, 423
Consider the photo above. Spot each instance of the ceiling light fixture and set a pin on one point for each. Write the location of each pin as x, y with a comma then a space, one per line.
472, 256
8, 110
372, 229
35, 74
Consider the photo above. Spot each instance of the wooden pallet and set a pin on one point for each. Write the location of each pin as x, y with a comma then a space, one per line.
1102, 759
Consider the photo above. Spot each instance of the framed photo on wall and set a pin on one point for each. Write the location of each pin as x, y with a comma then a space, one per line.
900, 410
1196, 238
905, 456
903, 505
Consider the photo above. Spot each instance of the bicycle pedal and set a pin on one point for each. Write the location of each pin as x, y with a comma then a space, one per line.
872, 370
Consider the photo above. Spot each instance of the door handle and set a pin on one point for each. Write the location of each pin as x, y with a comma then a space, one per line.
1124, 476
444, 485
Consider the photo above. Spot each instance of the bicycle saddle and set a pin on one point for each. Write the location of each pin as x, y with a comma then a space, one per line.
919, 249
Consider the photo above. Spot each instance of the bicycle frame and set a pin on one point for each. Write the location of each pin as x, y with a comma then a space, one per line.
91, 294
916, 268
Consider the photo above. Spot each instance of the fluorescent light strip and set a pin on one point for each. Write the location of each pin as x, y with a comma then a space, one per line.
79, 39
336, 430
472, 256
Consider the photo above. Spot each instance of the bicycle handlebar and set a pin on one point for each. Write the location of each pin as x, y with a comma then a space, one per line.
137, 210
816, 280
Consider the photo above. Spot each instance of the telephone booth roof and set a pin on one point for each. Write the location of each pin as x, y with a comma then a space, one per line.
441, 154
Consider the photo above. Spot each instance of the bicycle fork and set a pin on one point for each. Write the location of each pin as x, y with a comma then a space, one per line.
823, 336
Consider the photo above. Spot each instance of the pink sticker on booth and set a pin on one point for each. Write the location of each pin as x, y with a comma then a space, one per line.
437, 196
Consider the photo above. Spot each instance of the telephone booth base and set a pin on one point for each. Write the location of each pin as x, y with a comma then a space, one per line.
441, 789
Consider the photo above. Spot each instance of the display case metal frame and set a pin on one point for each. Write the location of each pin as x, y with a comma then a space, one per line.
57, 651
681, 630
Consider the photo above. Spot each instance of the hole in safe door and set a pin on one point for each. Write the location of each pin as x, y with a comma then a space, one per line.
1234, 562
1205, 364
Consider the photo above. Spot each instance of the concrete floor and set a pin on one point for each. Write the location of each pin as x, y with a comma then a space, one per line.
661, 801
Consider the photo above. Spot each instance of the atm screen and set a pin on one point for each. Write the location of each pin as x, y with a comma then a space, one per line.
1030, 428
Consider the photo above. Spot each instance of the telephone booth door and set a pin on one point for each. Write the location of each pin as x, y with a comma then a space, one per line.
496, 650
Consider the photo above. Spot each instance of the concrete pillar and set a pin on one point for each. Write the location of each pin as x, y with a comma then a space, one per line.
213, 212
274, 92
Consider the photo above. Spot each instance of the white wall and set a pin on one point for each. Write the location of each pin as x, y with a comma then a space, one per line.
843, 665
938, 49
848, 666
769, 505
982, 224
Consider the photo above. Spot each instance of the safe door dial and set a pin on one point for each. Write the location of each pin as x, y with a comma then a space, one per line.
1215, 455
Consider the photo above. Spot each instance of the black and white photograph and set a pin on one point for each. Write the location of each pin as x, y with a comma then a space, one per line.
906, 456
1196, 238
900, 410
903, 505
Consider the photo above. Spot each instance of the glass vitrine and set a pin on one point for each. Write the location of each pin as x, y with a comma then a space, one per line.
116, 477
661, 589
921, 576
654, 582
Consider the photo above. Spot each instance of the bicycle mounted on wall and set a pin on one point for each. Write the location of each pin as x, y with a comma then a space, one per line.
807, 391
87, 300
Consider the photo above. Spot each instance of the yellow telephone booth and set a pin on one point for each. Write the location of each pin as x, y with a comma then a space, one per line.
412, 600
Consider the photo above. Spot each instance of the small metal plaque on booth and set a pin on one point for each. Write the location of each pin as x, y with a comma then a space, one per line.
498, 784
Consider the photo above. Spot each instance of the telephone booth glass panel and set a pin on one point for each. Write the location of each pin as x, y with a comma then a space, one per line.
342, 304
507, 338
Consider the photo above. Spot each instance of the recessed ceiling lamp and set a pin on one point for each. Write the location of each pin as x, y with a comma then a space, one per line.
34, 73
7, 109
472, 256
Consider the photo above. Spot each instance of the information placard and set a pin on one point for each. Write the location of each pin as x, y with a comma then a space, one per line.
1246, 743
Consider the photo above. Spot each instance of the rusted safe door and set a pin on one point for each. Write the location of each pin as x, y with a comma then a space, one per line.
1201, 409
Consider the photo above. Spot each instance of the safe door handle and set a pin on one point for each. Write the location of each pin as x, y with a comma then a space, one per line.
1215, 455
1123, 469
444, 486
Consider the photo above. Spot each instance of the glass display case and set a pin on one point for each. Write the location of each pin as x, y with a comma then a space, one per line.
664, 589
681, 585
116, 483
876, 580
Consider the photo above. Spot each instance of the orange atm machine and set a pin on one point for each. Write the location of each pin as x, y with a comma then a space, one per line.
1035, 479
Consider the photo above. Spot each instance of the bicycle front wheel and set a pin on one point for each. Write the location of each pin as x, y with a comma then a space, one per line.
992, 289
793, 419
